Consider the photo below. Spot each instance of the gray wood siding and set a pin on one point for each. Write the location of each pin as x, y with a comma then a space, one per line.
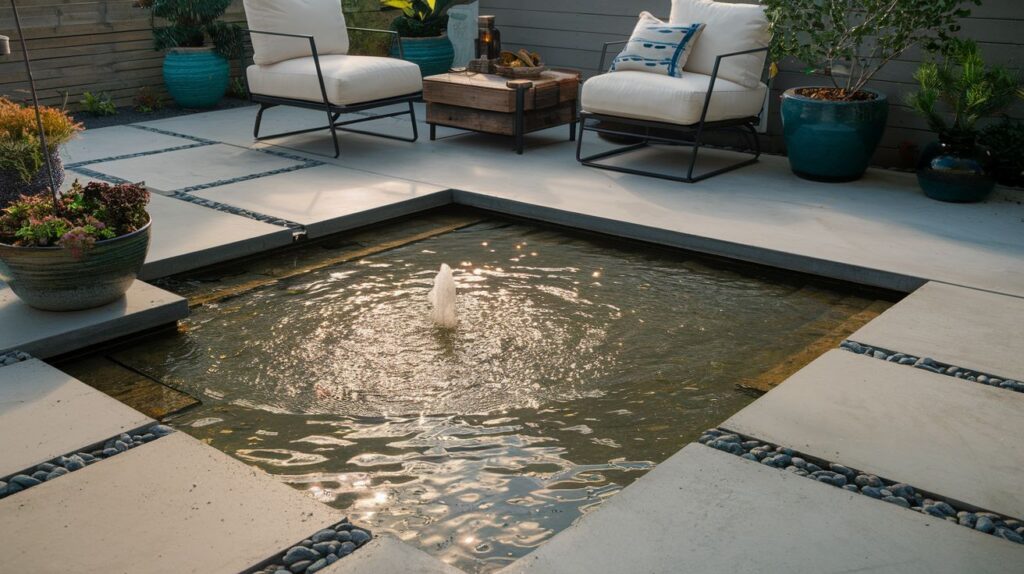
569, 33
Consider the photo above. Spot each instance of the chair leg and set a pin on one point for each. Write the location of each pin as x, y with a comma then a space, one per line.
415, 128
331, 118
259, 120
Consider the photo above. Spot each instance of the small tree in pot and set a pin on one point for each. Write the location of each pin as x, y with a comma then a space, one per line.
199, 45
954, 95
832, 131
422, 26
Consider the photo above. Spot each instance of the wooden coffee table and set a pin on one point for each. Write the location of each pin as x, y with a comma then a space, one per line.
496, 105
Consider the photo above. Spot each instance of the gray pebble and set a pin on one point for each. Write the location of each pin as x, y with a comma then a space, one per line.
40, 475
968, 519
110, 451
24, 480
331, 559
902, 490
346, 549
300, 566
120, 445
344, 536
324, 535
316, 566
897, 500
360, 537
46, 466
851, 488
324, 547
748, 456
984, 524
299, 553
1010, 535
907, 361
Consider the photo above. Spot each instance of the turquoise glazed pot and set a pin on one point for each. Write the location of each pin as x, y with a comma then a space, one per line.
51, 279
832, 141
956, 170
196, 77
433, 55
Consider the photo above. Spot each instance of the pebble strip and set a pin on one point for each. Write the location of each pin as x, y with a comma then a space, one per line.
852, 480
77, 461
933, 366
318, 551
8, 359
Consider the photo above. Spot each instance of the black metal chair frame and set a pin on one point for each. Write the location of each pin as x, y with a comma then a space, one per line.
745, 126
335, 111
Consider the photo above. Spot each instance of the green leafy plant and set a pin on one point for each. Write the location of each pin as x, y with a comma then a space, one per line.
191, 23
421, 18
958, 91
237, 88
148, 100
98, 104
87, 214
20, 150
849, 41
1006, 142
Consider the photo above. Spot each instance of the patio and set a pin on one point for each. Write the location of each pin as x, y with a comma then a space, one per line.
218, 196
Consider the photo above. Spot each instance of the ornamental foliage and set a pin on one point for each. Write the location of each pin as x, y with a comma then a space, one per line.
190, 23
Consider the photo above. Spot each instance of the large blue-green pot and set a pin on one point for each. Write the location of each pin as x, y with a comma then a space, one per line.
196, 77
55, 279
433, 55
956, 169
831, 140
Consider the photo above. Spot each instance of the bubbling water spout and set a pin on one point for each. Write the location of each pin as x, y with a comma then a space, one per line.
442, 297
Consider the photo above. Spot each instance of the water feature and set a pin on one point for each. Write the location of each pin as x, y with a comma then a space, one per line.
577, 364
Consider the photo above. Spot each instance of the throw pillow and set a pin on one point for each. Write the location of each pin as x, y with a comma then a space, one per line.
658, 47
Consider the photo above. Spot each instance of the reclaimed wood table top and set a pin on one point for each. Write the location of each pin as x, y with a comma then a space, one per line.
498, 93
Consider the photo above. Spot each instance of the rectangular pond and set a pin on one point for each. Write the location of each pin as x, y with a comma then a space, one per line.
578, 364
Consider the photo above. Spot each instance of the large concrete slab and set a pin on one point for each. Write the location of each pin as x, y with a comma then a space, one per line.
963, 327
387, 555
205, 165
328, 199
953, 438
48, 334
45, 413
170, 506
188, 236
709, 511
116, 141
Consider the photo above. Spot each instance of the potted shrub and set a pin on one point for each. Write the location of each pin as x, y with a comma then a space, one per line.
196, 68
1006, 141
81, 250
831, 131
423, 28
954, 95
22, 165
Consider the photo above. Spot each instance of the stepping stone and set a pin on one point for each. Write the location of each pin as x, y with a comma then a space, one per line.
704, 510
387, 555
45, 334
968, 328
103, 143
955, 439
169, 506
328, 199
45, 414
205, 165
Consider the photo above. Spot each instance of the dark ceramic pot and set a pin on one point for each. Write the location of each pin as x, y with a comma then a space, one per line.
51, 279
433, 55
12, 186
829, 140
956, 169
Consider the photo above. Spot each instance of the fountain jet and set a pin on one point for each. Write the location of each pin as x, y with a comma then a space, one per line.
442, 297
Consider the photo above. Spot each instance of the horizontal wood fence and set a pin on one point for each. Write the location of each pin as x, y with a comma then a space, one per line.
569, 33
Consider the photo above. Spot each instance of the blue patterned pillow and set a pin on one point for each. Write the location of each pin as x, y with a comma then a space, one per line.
658, 47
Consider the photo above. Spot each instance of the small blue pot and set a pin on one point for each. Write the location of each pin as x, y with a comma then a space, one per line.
433, 55
956, 170
832, 141
196, 77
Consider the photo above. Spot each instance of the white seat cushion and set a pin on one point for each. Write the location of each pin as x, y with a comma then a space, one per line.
321, 19
348, 79
644, 96
729, 28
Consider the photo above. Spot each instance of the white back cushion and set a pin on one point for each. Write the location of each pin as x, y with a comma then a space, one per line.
729, 28
321, 19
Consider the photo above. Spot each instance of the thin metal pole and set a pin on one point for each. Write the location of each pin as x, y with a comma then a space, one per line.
39, 117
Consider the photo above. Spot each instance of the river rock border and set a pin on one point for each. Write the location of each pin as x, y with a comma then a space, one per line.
13, 357
869, 485
323, 548
932, 365
76, 461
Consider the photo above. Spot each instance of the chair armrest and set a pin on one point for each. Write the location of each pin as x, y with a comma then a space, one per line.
312, 49
604, 53
397, 37
720, 57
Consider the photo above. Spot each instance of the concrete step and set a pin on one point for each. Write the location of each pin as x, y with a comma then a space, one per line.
170, 506
958, 440
47, 334
45, 413
707, 511
968, 328
387, 555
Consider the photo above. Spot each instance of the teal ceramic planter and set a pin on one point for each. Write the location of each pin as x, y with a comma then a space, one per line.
957, 171
433, 55
52, 279
832, 141
196, 77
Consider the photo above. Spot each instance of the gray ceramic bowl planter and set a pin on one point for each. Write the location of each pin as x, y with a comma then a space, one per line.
52, 279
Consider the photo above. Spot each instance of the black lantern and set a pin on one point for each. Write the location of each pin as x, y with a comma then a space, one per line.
5, 49
488, 43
